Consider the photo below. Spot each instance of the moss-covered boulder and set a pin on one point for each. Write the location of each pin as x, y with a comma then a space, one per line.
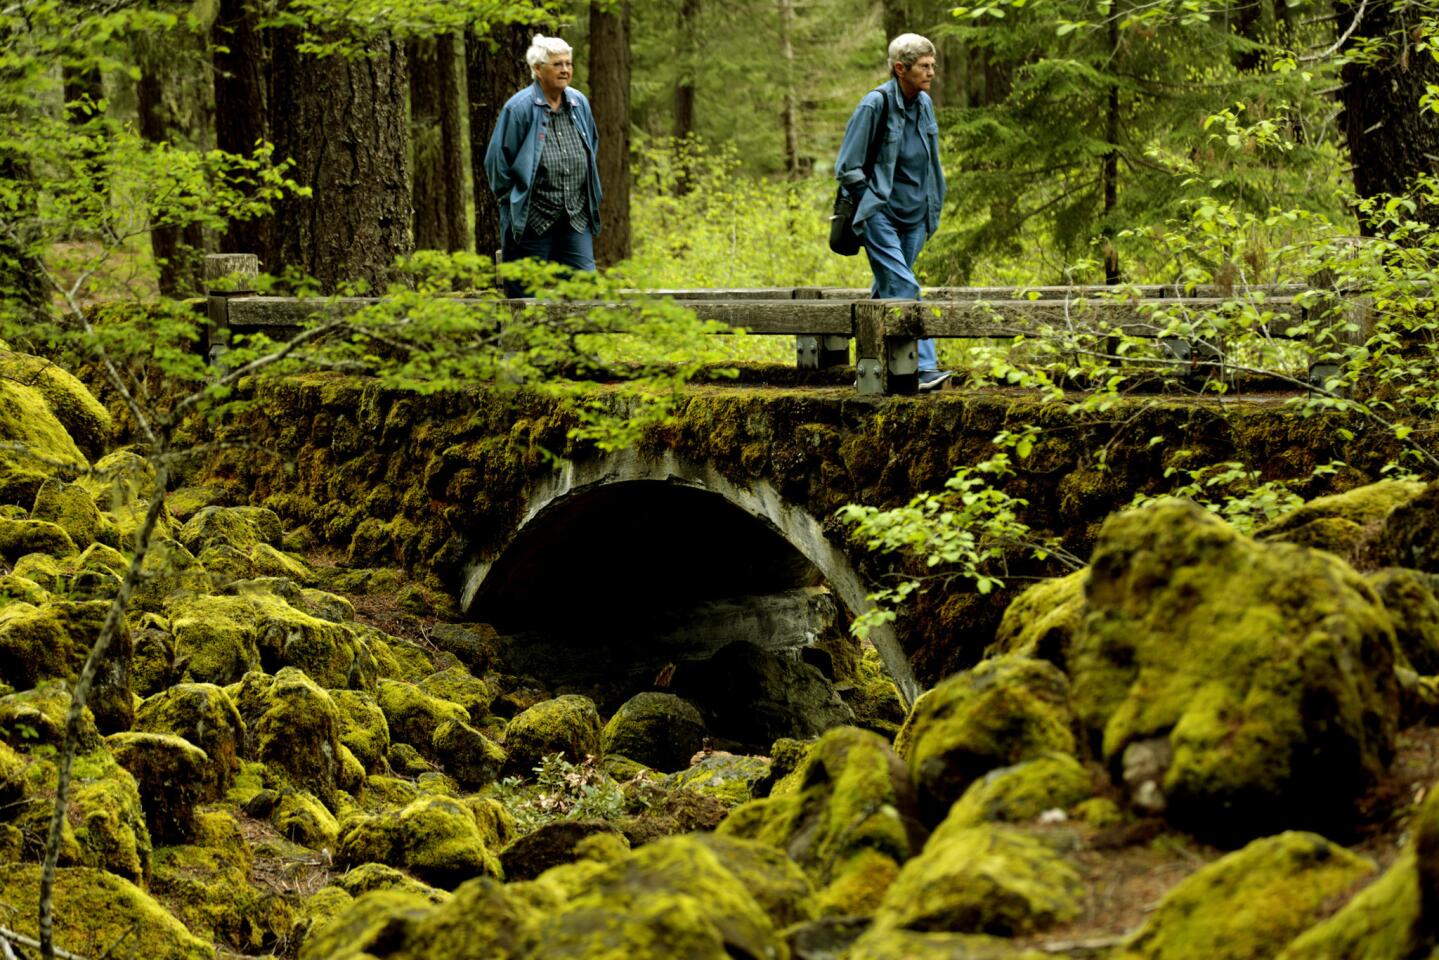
567, 725
1267, 668
549, 845
1394, 918
848, 816
268, 561
474, 644
173, 775
329, 653
169, 571
204, 715
242, 528
84, 418
472, 758
380, 919
782, 890
435, 838
37, 717
100, 914
660, 730
1250, 903
1360, 509
730, 778
1409, 597
299, 816
1041, 621
294, 729
363, 727
22, 589
215, 636
413, 716
71, 508
1003, 711
457, 685
19, 537
888, 943
52, 642
40, 438
1054, 781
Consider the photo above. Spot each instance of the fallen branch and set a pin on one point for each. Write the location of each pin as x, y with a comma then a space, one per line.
10, 939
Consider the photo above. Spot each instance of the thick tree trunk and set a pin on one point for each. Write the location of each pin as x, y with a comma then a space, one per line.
789, 119
687, 53
179, 251
1110, 173
439, 190
495, 70
343, 122
1391, 139
610, 96
242, 109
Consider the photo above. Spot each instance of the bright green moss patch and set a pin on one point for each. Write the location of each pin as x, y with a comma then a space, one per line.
567, 725
1041, 621
1024, 791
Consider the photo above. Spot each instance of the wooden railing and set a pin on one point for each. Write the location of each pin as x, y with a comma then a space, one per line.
824, 320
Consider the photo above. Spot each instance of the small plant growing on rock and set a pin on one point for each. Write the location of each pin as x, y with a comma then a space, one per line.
562, 791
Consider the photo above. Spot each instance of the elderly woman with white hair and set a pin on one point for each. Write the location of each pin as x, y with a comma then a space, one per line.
889, 160
542, 165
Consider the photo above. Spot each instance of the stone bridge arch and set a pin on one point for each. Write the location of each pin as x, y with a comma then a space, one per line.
635, 527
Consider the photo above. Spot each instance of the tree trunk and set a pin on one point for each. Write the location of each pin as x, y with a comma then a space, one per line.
1110, 173
179, 251
343, 122
1391, 139
788, 113
439, 191
687, 52
495, 70
242, 110
610, 95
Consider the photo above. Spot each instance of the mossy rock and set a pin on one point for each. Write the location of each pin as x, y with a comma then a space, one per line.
363, 727
568, 725
457, 685
1041, 621
497, 825
472, 758
293, 729
1268, 668
225, 564
329, 653
241, 528
1394, 918
106, 823
301, 817
52, 642
84, 418
27, 421
398, 659
173, 775
14, 588
434, 838
70, 507
660, 730
1409, 536
1249, 904
1003, 711
850, 797
1363, 507
19, 537
1409, 597
100, 914
37, 717
549, 845
729, 777
326, 605
383, 793
1024, 791
413, 715
99, 556
184, 502
268, 561
475, 645
890, 944
204, 715
170, 571
481, 919
871, 694
377, 876
215, 636
41, 568
406, 761
381, 919
991, 879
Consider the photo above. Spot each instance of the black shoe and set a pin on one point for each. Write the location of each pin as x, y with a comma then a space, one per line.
933, 379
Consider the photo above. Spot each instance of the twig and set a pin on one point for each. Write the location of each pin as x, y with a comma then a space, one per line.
1343, 38
1092, 943
20, 940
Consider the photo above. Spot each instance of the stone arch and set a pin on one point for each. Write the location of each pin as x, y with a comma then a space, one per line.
558, 501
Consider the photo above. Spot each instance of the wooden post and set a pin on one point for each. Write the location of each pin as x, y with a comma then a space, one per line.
818, 351
886, 346
226, 275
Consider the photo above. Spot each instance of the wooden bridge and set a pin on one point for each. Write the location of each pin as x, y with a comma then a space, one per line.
884, 333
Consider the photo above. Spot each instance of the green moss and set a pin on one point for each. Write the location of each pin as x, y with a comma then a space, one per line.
1411, 603
184, 502
98, 556
173, 775
268, 561
377, 876
495, 822
481, 919
1041, 621
293, 729
204, 715
434, 838
301, 817
413, 715
457, 685
1250, 903
1024, 791
468, 755
242, 528
567, 725
52, 641
106, 824
363, 727
1099, 812
95, 911
379, 919
660, 730
41, 569
215, 636
1244, 656
384, 793
328, 653
326, 606
872, 695
71, 508
858, 886
1361, 506
730, 778
1005, 710
27, 421
19, 537
890, 944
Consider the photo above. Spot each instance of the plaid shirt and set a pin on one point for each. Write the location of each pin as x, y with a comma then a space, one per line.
560, 184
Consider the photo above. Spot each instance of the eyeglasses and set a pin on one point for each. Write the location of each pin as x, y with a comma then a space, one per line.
922, 67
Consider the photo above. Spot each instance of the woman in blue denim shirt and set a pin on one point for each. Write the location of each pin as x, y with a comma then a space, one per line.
542, 165
902, 195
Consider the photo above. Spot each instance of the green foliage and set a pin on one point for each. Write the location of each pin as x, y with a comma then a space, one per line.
562, 791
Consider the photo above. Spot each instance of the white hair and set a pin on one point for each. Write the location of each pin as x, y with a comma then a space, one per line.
542, 48
907, 48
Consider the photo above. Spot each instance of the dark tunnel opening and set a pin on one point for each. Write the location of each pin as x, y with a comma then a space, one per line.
629, 586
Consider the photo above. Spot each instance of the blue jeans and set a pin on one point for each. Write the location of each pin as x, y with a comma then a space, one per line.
558, 244
892, 249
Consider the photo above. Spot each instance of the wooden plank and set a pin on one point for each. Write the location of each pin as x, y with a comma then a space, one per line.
1148, 291
1008, 318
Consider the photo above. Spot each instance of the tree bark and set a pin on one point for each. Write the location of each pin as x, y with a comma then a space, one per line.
687, 52
241, 62
164, 118
1391, 139
343, 122
439, 190
1110, 173
610, 95
495, 70
788, 112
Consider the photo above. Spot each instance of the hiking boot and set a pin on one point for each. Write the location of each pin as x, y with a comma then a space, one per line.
933, 379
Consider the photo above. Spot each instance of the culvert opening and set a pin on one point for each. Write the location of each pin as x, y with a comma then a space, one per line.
647, 585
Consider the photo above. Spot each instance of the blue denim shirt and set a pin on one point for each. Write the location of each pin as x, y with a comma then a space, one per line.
849, 166
513, 157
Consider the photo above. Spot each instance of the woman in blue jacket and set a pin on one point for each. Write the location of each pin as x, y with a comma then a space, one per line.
542, 165
903, 194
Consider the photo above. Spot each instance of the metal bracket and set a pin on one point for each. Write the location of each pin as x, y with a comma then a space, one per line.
868, 381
